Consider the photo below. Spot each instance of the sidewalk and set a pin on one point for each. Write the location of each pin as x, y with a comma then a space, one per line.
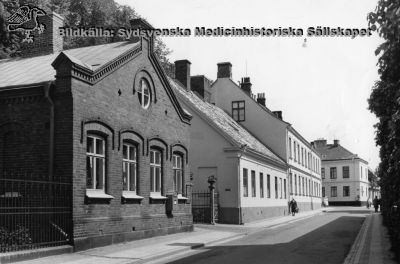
157, 248
372, 245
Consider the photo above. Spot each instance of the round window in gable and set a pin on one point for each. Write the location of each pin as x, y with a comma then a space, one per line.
144, 93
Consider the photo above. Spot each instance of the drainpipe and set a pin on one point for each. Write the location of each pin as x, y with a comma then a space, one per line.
47, 88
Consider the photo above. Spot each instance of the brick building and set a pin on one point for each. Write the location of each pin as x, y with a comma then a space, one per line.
94, 140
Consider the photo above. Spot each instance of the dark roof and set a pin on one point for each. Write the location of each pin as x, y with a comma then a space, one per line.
223, 122
25, 71
334, 152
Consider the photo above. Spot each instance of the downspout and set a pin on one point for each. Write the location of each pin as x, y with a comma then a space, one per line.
47, 88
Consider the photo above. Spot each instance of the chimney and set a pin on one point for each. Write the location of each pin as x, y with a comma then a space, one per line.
261, 98
50, 41
224, 70
182, 72
201, 85
278, 114
246, 85
319, 143
336, 142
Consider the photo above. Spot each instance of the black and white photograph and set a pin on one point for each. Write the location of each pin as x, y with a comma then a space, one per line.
200, 131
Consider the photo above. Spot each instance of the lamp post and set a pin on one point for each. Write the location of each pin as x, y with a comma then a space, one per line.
211, 182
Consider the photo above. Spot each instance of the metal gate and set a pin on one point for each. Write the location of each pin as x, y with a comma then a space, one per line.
34, 212
201, 207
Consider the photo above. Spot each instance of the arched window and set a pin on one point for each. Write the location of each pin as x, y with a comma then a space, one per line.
96, 160
177, 166
129, 167
144, 93
155, 171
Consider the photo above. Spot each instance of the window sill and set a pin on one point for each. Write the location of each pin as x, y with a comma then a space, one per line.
157, 196
94, 194
131, 195
180, 197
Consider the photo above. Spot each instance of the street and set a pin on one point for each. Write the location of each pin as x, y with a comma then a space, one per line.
324, 238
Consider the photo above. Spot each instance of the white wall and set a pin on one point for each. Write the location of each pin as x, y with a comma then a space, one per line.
265, 126
258, 167
358, 183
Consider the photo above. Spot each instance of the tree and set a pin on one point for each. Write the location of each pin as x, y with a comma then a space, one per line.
77, 13
384, 102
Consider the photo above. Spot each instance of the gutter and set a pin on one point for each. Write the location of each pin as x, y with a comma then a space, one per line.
47, 88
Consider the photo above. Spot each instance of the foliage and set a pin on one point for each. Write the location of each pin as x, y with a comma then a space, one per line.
77, 13
384, 102
19, 236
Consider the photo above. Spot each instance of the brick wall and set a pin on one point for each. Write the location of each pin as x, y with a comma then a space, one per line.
24, 133
111, 106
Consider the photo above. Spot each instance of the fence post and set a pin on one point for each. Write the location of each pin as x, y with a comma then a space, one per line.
211, 181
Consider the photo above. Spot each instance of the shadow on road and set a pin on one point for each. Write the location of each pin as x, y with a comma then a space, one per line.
328, 244
366, 211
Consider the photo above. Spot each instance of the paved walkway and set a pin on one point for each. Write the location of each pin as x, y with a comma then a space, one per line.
370, 246
156, 248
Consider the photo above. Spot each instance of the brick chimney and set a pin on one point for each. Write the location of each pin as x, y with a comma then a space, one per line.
201, 85
224, 70
319, 143
49, 41
336, 142
182, 72
261, 98
278, 114
246, 85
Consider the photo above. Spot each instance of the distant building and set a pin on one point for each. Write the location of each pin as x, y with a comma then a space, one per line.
344, 174
251, 179
303, 177
93, 145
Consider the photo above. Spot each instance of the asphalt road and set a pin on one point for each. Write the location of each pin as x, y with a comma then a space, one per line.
325, 238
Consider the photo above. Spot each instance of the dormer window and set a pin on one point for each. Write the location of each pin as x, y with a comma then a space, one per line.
144, 93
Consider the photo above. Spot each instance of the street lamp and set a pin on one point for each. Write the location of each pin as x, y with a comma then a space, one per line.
211, 182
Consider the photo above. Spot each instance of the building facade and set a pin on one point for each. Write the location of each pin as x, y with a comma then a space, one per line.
251, 179
344, 175
303, 177
98, 132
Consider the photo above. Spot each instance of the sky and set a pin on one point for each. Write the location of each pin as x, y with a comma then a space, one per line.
322, 89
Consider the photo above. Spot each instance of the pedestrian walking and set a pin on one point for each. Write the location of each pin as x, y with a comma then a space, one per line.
376, 204
293, 206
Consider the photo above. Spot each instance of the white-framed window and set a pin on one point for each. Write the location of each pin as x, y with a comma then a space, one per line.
245, 183
261, 185
268, 186
333, 173
346, 172
346, 191
129, 167
177, 167
323, 173
155, 171
253, 183
144, 93
333, 191
290, 148
95, 163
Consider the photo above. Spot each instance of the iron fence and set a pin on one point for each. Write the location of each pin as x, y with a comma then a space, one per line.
201, 207
34, 212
